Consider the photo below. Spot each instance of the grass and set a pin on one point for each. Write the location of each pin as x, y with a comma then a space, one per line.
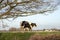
22, 36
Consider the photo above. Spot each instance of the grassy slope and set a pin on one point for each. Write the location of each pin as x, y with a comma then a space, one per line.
22, 36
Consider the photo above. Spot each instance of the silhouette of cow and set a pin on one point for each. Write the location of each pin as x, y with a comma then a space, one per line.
27, 26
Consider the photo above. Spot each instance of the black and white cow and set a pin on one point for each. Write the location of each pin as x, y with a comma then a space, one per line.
27, 26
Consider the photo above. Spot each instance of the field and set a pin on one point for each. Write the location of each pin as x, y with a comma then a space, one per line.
22, 35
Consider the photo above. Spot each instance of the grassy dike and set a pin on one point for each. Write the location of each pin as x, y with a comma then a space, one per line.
22, 35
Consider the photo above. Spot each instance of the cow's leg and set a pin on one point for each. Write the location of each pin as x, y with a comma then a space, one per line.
26, 29
30, 29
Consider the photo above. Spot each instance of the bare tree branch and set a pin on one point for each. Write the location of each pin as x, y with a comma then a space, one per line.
11, 7
28, 7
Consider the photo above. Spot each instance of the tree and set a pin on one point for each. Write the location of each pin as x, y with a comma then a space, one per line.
15, 8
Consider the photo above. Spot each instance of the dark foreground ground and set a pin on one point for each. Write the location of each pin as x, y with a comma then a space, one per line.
29, 35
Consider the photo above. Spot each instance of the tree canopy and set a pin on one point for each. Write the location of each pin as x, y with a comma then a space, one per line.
15, 8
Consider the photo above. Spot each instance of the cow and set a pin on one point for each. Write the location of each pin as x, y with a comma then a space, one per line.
27, 26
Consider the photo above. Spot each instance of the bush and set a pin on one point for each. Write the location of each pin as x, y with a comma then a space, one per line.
52, 37
36, 37
47, 37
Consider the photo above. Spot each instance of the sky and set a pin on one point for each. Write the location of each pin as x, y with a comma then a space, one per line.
52, 20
